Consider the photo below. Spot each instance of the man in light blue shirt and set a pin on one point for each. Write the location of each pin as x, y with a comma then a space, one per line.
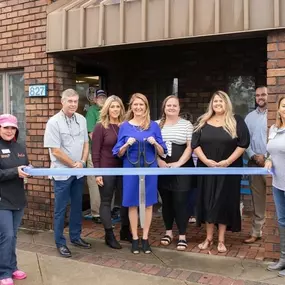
67, 139
257, 124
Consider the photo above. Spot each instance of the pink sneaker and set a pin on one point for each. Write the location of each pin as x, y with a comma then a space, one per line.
19, 275
7, 281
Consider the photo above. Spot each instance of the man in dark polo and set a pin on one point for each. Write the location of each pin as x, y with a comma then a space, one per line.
66, 137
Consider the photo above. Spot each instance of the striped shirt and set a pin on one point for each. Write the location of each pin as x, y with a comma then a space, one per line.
180, 133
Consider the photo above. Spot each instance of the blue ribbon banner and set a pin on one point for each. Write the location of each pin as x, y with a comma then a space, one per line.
147, 171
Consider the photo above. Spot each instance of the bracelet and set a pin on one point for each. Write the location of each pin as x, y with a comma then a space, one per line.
83, 163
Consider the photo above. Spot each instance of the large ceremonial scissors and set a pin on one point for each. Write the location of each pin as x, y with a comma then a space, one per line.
137, 163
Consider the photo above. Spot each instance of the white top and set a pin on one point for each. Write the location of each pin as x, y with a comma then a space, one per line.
276, 149
179, 133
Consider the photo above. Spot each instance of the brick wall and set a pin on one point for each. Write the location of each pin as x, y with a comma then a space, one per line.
22, 47
275, 82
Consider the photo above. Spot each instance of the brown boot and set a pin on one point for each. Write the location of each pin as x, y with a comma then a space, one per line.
251, 239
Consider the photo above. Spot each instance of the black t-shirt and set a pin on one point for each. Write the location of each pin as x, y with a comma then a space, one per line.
12, 192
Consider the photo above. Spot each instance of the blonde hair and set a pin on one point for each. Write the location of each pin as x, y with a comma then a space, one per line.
104, 113
279, 122
229, 123
163, 115
146, 116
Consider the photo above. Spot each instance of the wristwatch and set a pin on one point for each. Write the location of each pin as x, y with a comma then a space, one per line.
83, 163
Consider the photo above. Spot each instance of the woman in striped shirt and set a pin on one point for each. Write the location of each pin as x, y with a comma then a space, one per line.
174, 190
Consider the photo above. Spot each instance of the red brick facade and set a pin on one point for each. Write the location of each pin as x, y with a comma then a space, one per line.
22, 47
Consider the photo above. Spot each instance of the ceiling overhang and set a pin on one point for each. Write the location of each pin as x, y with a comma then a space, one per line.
85, 24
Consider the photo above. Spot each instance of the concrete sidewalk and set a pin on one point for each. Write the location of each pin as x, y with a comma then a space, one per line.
38, 256
51, 270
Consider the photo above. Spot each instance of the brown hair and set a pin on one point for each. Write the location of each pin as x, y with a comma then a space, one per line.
279, 122
163, 115
146, 116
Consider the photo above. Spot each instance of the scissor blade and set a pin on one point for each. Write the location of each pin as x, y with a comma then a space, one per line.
142, 199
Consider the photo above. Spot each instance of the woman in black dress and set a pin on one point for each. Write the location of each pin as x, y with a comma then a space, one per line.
219, 140
174, 189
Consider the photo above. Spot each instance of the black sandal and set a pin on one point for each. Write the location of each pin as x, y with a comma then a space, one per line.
135, 246
145, 246
182, 245
166, 240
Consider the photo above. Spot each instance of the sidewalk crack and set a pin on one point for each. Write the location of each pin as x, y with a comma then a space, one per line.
161, 260
242, 269
40, 269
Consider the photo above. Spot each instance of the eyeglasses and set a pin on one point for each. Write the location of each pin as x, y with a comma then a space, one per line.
70, 129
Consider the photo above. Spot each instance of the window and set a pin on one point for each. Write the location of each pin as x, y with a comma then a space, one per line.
242, 94
12, 98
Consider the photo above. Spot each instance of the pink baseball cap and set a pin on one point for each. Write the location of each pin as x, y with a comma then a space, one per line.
7, 120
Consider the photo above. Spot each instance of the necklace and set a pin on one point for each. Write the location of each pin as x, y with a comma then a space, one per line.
138, 128
218, 120
116, 133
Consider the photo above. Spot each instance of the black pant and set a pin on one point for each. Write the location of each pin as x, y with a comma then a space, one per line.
111, 184
174, 207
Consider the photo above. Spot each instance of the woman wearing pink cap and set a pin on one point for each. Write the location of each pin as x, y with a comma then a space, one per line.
12, 197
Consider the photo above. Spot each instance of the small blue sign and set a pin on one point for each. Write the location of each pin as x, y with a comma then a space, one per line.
38, 90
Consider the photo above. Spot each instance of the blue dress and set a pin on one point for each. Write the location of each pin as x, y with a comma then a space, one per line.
131, 182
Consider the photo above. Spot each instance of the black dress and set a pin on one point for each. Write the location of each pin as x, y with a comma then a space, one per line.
218, 198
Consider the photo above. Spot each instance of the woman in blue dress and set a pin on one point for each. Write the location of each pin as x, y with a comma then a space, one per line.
136, 136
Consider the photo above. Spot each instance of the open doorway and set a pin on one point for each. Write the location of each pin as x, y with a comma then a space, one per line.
86, 86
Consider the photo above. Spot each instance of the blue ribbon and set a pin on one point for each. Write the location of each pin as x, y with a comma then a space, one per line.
147, 171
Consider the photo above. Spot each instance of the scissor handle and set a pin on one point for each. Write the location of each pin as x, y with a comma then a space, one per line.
137, 162
146, 162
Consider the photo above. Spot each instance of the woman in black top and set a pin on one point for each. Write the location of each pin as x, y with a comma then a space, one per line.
12, 197
219, 140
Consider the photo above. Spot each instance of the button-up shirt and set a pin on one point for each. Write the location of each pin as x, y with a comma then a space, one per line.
68, 134
256, 122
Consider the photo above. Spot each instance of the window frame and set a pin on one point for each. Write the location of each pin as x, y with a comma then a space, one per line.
5, 83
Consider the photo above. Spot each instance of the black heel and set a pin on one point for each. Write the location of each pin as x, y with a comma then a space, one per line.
135, 246
110, 239
145, 246
125, 234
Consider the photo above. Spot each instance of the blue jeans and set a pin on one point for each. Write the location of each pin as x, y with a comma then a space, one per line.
279, 199
9, 225
65, 191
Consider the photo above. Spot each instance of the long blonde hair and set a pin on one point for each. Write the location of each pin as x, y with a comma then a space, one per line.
229, 123
163, 115
278, 122
104, 113
146, 116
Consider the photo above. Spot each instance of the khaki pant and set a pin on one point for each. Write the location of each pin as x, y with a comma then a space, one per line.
258, 189
93, 190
